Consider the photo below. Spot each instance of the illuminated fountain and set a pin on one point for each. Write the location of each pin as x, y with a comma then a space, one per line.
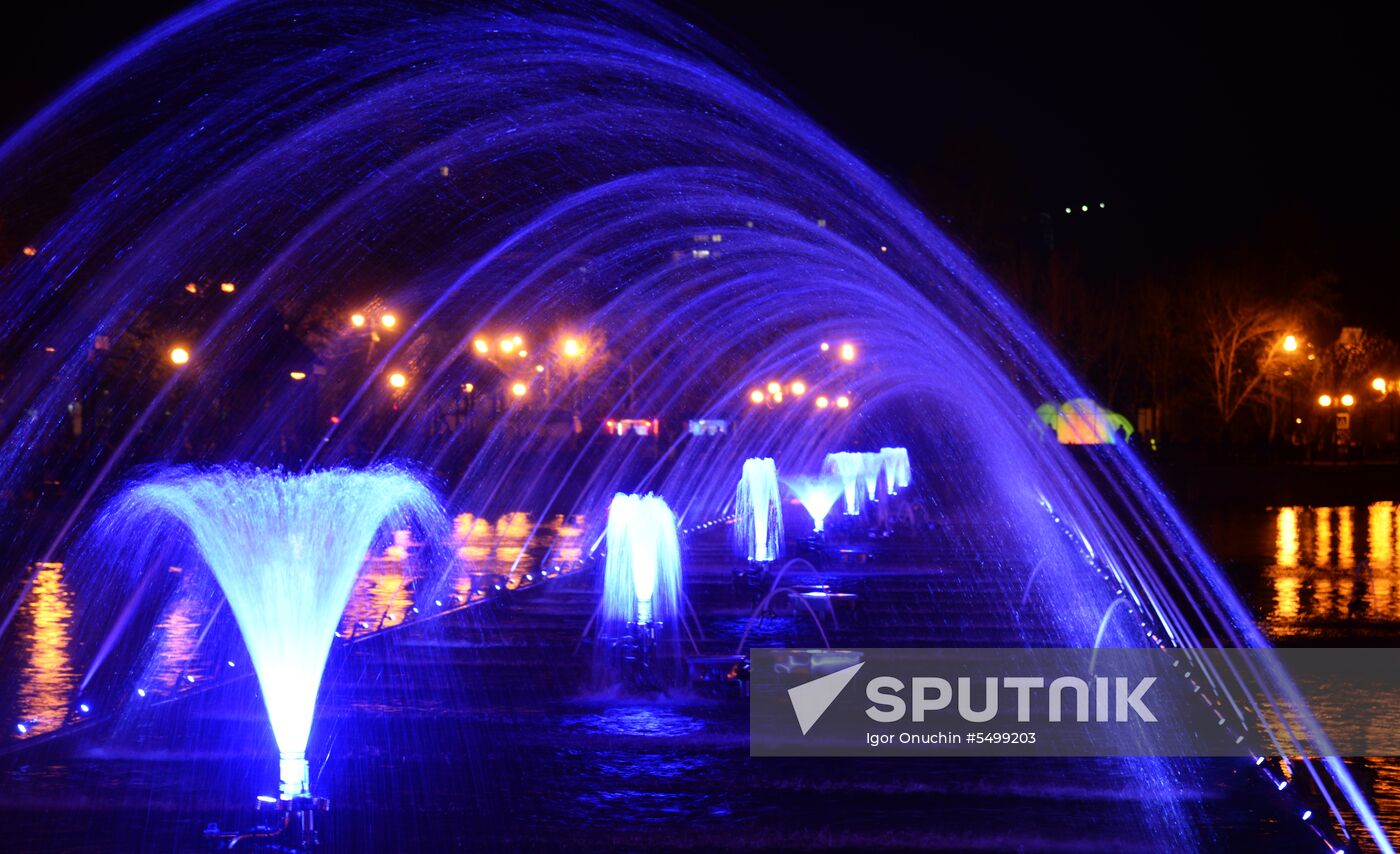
286, 550
896, 465
817, 495
699, 196
849, 467
641, 582
871, 464
758, 511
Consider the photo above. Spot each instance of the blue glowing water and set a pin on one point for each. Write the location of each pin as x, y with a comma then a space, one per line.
758, 511
485, 170
642, 574
286, 550
817, 495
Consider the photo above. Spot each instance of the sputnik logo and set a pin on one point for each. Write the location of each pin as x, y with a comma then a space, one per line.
810, 700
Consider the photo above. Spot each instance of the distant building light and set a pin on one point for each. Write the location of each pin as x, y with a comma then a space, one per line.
227, 287
192, 288
298, 375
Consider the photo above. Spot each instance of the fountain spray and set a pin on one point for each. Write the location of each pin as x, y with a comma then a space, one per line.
758, 512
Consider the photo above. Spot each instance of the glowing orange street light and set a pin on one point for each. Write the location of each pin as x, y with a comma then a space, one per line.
507, 345
1378, 384
572, 348
481, 346
756, 396
848, 352
1290, 343
1348, 400
398, 380
843, 402
357, 320
298, 375
227, 287
822, 402
179, 355
518, 389
825, 346
1324, 400
799, 388
388, 321
774, 388
192, 288
30, 251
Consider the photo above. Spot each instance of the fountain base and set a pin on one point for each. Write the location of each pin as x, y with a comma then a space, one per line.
289, 826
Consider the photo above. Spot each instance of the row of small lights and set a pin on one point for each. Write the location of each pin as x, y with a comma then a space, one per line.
798, 388
1084, 208
1379, 385
1162, 643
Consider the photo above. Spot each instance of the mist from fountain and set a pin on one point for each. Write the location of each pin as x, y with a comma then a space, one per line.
758, 511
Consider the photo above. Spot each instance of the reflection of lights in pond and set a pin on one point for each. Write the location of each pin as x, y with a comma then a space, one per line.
648, 721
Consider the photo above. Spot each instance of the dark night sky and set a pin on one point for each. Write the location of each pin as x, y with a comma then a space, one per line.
1205, 131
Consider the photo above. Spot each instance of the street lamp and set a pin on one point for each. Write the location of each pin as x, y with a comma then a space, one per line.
398, 380
179, 355
388, 321
843, 402
799, 388
848, 352
227, 287
1378, 384
756, 396
823, 402
774, 388
1348, 400
1324, 400
357, 320
298, 375
1290, 343
572, 348
518, 389
481, 346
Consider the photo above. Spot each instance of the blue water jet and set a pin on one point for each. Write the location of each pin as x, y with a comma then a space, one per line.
642, 574
758, 511
817, 496
286, 550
